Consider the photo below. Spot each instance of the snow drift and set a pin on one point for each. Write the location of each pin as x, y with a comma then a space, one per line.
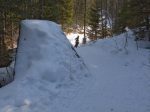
46, 66
44, 52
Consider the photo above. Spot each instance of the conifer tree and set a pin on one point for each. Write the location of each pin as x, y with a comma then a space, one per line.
65, 8
134, 14
94, 20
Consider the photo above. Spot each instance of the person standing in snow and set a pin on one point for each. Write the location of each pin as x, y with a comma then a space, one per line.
76, 41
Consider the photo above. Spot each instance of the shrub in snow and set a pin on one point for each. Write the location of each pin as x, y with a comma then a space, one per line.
45, 53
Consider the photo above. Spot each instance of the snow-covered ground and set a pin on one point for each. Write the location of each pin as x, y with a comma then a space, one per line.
121, 77
119, 82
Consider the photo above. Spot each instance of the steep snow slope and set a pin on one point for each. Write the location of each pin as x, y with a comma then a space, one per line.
45, 52
46, 63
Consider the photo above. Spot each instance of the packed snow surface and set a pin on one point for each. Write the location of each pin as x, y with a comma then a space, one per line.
119, 80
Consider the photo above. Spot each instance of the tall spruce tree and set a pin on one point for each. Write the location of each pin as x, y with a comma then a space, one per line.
66, 12
94, 20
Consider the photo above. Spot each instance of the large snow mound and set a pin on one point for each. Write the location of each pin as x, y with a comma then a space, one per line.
45, 53
46, 65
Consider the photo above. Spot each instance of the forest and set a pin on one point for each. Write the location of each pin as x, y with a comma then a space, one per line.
97, 18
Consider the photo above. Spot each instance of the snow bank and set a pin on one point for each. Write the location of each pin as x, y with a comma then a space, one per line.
46, 64
6, 75
45, 53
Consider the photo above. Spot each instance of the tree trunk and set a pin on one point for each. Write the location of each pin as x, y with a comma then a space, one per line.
84, 18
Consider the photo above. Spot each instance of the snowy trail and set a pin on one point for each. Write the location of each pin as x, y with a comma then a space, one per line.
116, 84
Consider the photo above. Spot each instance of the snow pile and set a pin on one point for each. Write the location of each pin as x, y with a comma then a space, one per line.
6, 75
46, 65
45, 53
